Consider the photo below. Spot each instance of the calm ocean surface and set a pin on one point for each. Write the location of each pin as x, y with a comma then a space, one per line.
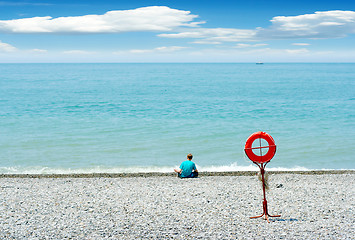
81, 118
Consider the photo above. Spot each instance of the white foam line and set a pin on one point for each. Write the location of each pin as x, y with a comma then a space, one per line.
142, 169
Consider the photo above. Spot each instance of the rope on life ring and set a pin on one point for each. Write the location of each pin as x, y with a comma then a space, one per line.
262, 158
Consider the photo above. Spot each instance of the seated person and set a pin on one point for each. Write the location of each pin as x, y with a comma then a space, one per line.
187, 168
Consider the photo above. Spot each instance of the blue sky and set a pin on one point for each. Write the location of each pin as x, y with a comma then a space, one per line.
177, 31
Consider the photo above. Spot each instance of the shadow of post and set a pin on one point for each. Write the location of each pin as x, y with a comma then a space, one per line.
283, 220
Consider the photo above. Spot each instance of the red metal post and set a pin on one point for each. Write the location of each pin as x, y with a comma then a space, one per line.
265, 211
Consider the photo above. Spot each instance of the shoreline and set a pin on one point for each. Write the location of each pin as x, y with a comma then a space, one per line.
170, 174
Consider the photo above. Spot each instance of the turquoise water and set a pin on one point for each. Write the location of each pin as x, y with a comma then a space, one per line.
68, 118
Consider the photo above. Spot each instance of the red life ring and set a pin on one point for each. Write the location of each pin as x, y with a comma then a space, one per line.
249, 149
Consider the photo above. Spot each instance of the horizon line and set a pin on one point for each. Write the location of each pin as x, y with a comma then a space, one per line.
171, 62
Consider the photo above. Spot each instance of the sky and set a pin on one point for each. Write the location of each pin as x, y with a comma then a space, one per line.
51, 31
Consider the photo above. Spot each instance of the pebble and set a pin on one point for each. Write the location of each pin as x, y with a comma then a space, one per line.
165, 207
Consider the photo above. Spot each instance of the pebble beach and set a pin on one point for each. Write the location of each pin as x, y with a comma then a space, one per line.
312, 206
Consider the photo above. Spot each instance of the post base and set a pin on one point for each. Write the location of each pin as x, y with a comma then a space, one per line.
265, 212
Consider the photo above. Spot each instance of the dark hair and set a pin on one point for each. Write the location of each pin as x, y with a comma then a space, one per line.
189, 156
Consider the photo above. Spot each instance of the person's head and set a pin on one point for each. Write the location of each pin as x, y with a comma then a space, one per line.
189, 156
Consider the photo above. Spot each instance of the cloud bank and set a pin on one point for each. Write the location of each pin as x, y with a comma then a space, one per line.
215, 35
155, 18
163, 49
328, 24
5, 47
179, 24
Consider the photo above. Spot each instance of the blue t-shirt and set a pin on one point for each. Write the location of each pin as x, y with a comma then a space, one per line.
187, 167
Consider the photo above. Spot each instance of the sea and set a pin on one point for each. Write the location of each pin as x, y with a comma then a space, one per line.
146, 117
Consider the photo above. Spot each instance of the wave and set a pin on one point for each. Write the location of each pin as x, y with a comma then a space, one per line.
235, 167
138, 169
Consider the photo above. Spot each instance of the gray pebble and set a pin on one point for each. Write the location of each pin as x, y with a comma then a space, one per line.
211, 207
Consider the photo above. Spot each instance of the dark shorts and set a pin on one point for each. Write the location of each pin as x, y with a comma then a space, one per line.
192, 175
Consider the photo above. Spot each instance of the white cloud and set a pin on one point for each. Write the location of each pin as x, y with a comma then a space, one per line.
155, 18
206, 42
244, 45
38, 51
169, 49
5, 47
279, 51
78, 52
214, 35
297, 51
327, 24
173, 23
140, 51
156, 50
301, 44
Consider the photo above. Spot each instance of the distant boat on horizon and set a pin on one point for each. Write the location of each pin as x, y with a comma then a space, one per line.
259, 63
